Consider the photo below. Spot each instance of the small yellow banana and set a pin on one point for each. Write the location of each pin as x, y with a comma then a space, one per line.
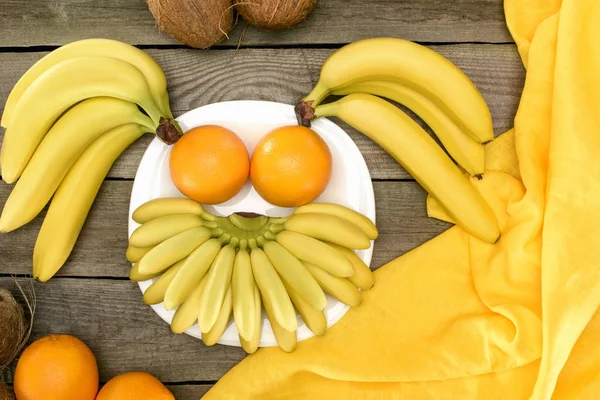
329, 228
420, 155
242, 284
173, 249
285, 339
135, 254
218, 281
160, 229
314, 319
272, 289
250, 346
338, 210
211, 337
362, 276
155, 293
340, 288
163, 206
136, 276
187, 313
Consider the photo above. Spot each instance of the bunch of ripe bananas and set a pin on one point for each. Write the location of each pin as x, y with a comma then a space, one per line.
210, 267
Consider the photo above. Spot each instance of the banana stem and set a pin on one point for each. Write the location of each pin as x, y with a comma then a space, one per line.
168, 131
306, 107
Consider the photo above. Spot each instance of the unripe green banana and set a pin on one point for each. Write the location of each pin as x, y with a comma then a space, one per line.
211, 337
242, 284
338, 210
250, 346
187, 313
362, 275
340, 288
155, 293
329, 228
167, 206
160, 229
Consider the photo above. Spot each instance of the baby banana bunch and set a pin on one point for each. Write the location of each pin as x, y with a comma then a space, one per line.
67, 120
368, 73
211, 269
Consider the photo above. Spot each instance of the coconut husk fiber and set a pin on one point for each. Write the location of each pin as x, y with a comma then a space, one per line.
274, 14
5, 393
15, 327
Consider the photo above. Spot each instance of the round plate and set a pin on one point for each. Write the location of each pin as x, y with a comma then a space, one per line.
350, 185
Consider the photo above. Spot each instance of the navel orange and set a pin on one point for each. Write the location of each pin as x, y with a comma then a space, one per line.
56, 367
134, 386
209, 164
291, 166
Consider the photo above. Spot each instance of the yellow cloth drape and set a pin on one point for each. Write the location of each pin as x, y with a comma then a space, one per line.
457, 318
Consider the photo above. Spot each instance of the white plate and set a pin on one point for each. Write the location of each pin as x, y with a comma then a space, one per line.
350, 185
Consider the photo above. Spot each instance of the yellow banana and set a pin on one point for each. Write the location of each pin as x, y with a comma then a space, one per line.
135, 254
155, 293
338, 210
75, 131
418, 153
160, 229
329, 228
66, 84
293, 272
242, 285
272, 289
211, 337
72, 201
136, 276
285, 339
315, 252
153, 73
340, 288
250, 346
412, 65
164, 206
187, 313
173, 249
314, 319
218, 281
362, 275
466, 151
192, 272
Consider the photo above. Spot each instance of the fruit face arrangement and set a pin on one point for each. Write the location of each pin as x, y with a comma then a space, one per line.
211, 268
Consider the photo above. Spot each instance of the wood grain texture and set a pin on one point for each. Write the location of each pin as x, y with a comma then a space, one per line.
100, 251
189, 392
198, 78
55, 22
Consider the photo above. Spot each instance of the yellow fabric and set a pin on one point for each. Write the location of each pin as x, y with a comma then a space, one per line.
457, 318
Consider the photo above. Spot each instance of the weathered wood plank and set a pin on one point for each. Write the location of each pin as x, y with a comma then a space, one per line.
100, 251
189, 392
198, 78
55, 22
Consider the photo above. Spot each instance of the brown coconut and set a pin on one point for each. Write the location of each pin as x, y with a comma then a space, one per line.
12, 328
274, 14
5, 393
196, 23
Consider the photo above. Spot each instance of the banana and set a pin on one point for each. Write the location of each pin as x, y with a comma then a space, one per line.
164, 206
217, 282
314, 319
340, 288
418, 153
272, 289
285, 339
211, 337
160, 229
155, 293
362, 276
329, 228
413, 65
466, 151
173, 249
293, 272
191, 273
135, 254
242, 284
315, 252
75, 131
67, 83
136, 276
153, 73
74, 198
187, 313
250, 346
338, 210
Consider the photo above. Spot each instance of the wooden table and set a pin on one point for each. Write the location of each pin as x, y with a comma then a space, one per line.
91, 297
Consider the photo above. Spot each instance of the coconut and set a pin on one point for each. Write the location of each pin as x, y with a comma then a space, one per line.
274, 14
196, 23
5, 393
14, 329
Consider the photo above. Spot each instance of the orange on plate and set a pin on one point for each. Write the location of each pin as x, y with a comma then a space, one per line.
134, 386
209, 164
56, 367
291, 166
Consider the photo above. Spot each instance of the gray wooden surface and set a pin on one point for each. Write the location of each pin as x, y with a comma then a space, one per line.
91, 296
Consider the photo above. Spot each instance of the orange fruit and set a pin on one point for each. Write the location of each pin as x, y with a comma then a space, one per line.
291, 166
134, 386
56, 367
209, 164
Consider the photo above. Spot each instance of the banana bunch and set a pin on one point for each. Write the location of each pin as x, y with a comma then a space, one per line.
210, 268
371, 72
67, 120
